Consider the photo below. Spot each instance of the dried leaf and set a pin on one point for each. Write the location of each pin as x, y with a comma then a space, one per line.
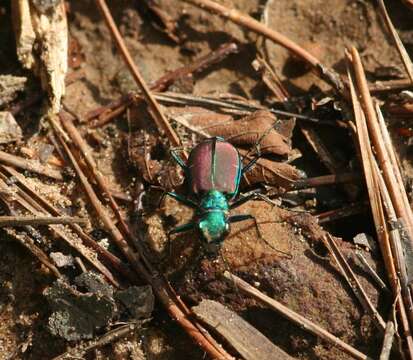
273, 173
197, 119
258, 128
248, 131
142, 150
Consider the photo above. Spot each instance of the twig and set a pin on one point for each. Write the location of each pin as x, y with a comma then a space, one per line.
26, 238
270, 79
237, 17
123, 101
394, 161
400, 47
294, 317
343, 212
160, 120
398, 196
373, 187
196, 66
99, 208
380, 87
109, 337
38, 220
30, 165
107, 112
388, 341
51, 160
378, 212
392, 186
242, 108
80, 264
353, 282
97, 175
108, 116
371, 271
29, 244
317, 181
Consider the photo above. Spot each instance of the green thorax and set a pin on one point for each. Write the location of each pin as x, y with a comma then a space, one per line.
214, 200
213, 221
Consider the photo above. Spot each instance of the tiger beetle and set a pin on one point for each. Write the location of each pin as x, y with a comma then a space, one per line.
213, 174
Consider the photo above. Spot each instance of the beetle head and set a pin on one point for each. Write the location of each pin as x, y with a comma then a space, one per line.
214, 227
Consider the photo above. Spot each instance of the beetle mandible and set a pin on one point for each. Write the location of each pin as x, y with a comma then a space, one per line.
213, 174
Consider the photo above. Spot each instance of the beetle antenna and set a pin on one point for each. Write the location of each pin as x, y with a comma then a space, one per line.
287, 254
263, 135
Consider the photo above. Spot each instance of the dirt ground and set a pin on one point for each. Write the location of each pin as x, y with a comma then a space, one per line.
307, 280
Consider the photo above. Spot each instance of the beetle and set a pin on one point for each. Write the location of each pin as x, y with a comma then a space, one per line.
213, 174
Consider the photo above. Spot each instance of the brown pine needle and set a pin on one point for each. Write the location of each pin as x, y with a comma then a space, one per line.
376, 186
397, 41
30, 165
353, 282
388, 341
39, 220
396, 193
161, 121
110, 337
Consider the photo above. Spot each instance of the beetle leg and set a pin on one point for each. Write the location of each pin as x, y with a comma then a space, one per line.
180, 198
177, 230
249, 166
178, 159
182, 228
237, 218
242, 200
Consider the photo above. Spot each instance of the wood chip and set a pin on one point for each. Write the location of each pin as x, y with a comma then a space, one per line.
248, 341
9, 87
9, 129
42, 44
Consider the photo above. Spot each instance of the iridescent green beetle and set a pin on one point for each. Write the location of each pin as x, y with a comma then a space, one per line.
213, 174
